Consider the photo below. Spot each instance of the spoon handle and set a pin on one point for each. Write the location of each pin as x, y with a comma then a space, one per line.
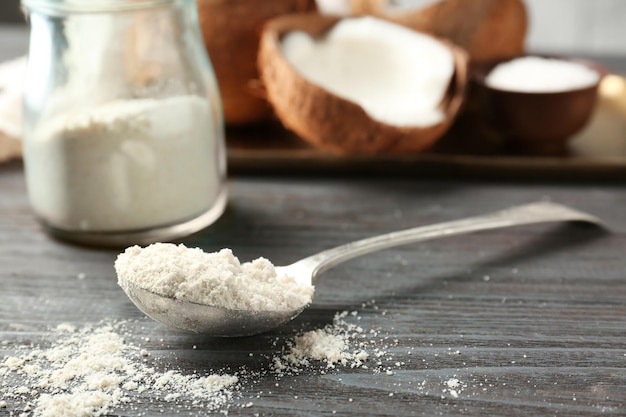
515, 216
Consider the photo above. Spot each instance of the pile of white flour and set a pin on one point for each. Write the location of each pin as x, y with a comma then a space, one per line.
216, 279
92, 371
330, 345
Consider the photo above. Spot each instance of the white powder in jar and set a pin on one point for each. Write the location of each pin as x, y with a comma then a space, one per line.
217, 279
125, 165
537, 74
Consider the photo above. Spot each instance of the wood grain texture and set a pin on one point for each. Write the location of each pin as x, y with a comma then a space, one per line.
531, 321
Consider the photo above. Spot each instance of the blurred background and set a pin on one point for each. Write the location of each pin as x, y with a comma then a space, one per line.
577, 26
596, 27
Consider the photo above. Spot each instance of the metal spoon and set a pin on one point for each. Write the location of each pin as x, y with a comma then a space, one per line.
217, 321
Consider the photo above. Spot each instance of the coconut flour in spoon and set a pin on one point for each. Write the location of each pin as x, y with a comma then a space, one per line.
217, 279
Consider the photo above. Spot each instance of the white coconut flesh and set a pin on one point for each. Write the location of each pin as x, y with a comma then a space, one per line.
398, 76
334, 7
402, 6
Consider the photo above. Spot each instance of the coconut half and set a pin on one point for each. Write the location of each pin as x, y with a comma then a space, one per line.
361, 85
489, 30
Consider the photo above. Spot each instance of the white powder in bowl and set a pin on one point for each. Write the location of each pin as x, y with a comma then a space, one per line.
125, 165
217, 279
536, 74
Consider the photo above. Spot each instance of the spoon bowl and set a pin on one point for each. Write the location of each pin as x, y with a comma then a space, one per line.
219, 321
206, 319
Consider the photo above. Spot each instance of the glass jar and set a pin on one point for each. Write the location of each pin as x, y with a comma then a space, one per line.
123, 125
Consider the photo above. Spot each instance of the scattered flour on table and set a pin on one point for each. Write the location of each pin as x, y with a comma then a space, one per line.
216, 279
454, 387
91, 371
330, 345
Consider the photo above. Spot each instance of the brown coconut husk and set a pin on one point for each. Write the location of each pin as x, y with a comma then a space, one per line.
231, 30
331, 122
490, 30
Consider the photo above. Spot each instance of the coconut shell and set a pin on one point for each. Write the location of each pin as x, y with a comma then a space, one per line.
331, 122
369, 7
231, 30
490, 30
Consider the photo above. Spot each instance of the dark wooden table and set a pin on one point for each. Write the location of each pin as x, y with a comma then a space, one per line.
531, 321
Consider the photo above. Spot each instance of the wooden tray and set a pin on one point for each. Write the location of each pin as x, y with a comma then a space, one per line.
597, 153
276, 153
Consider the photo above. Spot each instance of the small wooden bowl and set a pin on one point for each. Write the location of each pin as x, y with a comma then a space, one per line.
536, 122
